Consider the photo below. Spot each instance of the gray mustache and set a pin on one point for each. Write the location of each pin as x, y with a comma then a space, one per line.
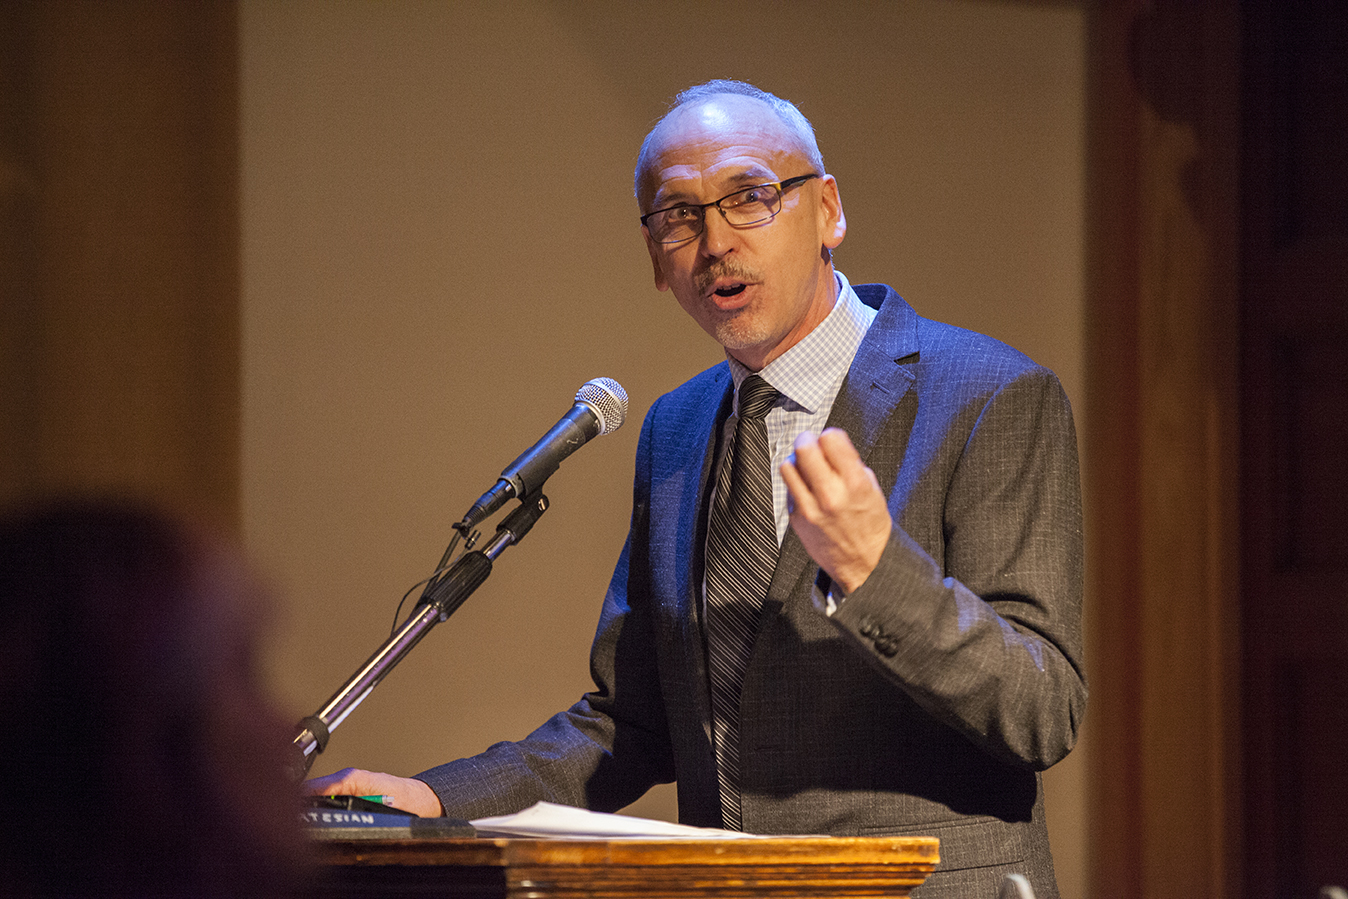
725, 269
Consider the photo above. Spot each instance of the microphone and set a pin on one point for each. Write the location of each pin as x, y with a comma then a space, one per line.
601, 408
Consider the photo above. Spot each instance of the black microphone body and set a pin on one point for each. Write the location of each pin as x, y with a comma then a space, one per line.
601, 406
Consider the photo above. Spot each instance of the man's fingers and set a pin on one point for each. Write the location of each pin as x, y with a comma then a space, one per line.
799, 498
346, 781
844, 460
837, 506
805, 453
829, 468
837, 448
817, 465
408, 794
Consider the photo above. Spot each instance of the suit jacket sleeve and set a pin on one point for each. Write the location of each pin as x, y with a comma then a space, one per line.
975, 607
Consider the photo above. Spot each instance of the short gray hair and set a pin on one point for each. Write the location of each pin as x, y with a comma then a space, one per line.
792, 117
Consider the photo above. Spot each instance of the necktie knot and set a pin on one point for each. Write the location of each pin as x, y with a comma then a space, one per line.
756, 398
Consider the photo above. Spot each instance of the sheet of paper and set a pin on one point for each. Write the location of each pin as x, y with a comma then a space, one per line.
546, 819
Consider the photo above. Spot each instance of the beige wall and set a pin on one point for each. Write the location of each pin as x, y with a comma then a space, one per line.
439, 246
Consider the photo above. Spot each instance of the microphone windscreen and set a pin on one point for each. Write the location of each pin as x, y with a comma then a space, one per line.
608, 400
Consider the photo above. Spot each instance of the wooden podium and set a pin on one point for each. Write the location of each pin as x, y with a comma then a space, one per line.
798, 867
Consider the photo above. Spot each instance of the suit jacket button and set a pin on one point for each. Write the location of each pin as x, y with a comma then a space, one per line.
886, 646
868, 628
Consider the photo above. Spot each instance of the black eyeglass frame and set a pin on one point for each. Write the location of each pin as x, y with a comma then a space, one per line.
781, 187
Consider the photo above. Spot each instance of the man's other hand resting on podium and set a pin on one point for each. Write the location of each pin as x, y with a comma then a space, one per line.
408, 794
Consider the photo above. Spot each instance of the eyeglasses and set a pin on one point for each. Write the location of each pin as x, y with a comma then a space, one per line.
746, 206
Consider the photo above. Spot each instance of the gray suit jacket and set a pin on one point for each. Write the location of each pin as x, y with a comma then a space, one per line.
927, 704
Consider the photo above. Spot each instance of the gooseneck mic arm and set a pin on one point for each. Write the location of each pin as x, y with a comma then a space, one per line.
444, 595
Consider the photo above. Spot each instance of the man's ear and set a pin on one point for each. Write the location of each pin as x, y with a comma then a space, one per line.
661, 283
832, 221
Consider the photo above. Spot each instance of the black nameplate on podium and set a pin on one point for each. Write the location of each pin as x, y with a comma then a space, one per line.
350, 818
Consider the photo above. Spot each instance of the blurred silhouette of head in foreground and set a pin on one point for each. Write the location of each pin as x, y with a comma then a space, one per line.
142, 755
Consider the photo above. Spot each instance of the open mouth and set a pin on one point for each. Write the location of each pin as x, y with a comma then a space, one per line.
727, 282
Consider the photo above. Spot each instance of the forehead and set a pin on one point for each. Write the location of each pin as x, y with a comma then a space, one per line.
717, 144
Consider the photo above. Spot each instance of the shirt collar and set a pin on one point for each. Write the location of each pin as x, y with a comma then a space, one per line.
808, 373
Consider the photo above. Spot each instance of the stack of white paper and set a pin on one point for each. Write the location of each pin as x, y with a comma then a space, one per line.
548, 820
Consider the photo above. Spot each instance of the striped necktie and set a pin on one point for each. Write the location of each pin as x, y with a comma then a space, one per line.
741, 555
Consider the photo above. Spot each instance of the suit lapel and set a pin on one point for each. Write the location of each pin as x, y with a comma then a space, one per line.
878, 377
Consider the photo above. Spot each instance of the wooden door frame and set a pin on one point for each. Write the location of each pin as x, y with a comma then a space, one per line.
1162, 452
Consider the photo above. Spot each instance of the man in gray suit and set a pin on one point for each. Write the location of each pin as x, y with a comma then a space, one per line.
916, 661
